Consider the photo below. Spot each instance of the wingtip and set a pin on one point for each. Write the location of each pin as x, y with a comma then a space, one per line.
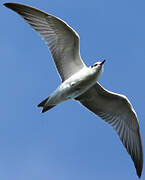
13, 6
7, 4
10, 5
139, 170
138, 162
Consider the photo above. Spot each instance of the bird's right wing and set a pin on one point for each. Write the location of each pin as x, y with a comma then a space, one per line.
62, 40
116, 110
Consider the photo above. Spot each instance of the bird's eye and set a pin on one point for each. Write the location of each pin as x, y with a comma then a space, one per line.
94, 65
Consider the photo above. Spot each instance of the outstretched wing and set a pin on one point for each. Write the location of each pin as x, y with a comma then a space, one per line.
116, 110
62, 40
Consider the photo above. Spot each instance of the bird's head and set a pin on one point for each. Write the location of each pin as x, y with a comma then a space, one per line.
98, 66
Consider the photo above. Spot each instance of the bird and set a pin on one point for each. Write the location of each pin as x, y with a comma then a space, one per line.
80, 82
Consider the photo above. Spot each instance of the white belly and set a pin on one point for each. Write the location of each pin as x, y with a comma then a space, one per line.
74, 86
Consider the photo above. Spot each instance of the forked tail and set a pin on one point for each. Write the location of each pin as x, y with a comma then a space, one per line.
43, 105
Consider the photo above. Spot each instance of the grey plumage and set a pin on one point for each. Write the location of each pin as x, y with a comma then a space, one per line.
64, 46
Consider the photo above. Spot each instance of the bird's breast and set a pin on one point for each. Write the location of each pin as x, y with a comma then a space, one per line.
79, 83
73, 87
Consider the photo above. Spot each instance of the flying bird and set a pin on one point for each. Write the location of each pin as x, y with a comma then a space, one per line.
79, 82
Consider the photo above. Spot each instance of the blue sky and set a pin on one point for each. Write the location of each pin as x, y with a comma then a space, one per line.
68, 142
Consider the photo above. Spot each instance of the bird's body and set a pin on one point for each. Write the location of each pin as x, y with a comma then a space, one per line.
74, 86
79, 82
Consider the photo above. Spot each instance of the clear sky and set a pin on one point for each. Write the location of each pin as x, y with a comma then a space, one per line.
69, 142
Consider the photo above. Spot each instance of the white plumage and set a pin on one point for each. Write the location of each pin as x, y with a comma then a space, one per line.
79, 81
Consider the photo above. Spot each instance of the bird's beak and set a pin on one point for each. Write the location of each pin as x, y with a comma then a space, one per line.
102, 62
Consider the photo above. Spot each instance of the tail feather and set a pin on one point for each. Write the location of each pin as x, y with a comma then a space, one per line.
47, 107
43, 103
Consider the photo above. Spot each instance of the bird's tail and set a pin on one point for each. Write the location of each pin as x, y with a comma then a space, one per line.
45, 108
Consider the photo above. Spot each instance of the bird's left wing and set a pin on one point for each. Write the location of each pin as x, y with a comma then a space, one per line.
118, 112
62, 40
